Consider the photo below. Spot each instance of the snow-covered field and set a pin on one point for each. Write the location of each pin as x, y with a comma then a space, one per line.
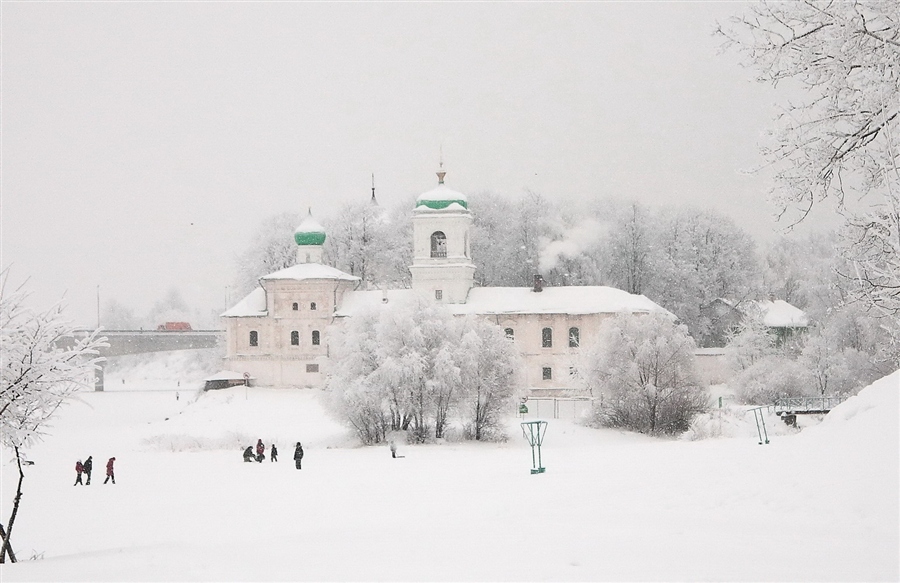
817, 505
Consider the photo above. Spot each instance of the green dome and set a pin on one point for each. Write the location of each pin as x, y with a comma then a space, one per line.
441, 198
309, 232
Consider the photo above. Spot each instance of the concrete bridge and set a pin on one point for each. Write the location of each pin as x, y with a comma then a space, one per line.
122, 342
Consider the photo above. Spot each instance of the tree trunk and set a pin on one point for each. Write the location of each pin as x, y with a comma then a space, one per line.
7, 546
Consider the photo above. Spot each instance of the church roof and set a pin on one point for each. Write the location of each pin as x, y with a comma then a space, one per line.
442, 197
310, 232
310, 271
520, 300
592, 299
253, 304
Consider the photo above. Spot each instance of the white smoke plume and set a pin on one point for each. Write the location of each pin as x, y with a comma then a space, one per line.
574, 242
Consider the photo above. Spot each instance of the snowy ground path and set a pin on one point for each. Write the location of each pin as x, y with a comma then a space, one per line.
818, 506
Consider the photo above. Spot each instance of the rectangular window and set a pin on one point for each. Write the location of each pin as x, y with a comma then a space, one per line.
254, 338
547, 338
312, 368
315, 337
438, 294
574, 338
295, 338
547, 373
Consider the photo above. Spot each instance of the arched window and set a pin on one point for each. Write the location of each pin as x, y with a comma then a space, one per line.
510, 333
295, 306
547, 338
295, 338
254, 338
438, 244
312, 305
574, 338
315, 337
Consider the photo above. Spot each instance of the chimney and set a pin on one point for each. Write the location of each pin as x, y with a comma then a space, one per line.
538, 283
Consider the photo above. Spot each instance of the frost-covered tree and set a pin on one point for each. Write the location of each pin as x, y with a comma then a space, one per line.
411, 366
631, 249
44, 363
701, 256
770, 378
840, 140
750, 343
371, 242
272, 248
644, 369
490, 372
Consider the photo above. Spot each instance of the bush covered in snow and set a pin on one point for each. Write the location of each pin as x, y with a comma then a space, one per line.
643, 368
413, 367
770, 378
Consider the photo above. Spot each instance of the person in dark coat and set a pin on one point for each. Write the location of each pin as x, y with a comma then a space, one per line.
88, 467
248, 454
110, 474
298, 455
260, 450
273, 453
78, 469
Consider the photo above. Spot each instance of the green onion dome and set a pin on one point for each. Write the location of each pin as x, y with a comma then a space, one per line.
442, 197
309, 232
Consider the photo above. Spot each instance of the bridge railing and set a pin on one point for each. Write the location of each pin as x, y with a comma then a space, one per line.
806, 404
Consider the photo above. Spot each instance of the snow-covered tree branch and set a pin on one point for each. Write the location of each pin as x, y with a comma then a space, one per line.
840, 141
43, 363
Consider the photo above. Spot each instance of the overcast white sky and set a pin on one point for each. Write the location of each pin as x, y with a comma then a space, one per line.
143, 142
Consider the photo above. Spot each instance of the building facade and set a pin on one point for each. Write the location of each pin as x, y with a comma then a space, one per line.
279, 334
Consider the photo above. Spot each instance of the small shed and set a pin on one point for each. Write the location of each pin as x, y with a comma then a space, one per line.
225, 379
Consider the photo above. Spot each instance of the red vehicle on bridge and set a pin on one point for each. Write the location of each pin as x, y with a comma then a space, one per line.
174, 327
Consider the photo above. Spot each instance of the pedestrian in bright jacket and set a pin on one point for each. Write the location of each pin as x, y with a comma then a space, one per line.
78, 469
110, 474
260, 450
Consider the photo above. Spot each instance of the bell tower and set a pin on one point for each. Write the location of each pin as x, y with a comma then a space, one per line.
442, 259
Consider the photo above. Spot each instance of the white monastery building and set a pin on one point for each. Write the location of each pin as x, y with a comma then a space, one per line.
279, 333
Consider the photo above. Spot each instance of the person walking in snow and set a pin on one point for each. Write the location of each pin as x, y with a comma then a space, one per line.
78, 469
248, 454
88, 467
110, 474
260, 450
298, 455
273, 453
393, 449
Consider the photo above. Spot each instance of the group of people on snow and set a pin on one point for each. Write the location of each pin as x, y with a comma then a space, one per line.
260, 454
88, 466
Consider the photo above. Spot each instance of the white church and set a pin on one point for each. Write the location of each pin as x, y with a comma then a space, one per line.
279, 334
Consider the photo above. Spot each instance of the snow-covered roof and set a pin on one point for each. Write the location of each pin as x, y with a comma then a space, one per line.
780, 314
441, 197
254, 304
554, 300
356, 301
225, 375
520, 300
310, 271
310, 225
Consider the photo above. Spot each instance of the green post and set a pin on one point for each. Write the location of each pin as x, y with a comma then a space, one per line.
534, 432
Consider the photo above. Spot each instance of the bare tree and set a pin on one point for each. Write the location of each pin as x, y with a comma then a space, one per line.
44, 362
840, 141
